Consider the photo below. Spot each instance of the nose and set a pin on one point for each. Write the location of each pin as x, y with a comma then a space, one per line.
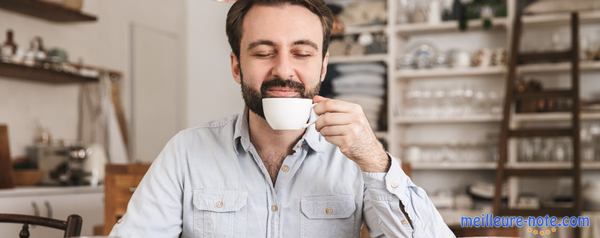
283, 67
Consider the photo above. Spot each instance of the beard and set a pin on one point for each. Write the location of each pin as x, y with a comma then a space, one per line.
253, 98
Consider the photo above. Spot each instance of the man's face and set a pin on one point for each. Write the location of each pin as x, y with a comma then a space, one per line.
280, 54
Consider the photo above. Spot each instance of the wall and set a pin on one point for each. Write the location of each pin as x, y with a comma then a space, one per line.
211, 91
104, 43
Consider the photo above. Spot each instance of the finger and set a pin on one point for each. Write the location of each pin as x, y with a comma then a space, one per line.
339, 141
333, 119
318, 99
334, 130
332, 105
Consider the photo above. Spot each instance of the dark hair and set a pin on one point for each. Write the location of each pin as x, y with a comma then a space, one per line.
237, 12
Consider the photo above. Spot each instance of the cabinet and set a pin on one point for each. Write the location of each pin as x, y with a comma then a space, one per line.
55, 203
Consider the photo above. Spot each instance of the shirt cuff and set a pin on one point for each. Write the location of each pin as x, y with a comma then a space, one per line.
394, 181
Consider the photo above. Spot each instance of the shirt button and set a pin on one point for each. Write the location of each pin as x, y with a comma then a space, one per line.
329, 211
285, 168
404, 222
274, 208
219, 204
394, 185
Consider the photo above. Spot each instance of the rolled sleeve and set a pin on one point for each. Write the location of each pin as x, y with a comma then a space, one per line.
395, 207
394, 181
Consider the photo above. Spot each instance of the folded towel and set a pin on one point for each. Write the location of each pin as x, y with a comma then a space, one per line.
366, 91
373, 68
358, 80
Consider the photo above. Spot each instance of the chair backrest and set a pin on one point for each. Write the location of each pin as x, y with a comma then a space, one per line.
72, 226
6, 179
119, 184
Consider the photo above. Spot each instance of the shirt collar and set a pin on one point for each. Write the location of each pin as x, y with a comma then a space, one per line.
313, 138
241, 136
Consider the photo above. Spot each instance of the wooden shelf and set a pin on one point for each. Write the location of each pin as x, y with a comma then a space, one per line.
453, 166
553, 116
449, 144
46, 10
560, 18
446, 27
42, 75
358, 59
552, 165
441, 120
450, 72
559, 67
493, 71
492, 165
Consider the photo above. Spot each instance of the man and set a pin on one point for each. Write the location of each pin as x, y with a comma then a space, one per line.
237, 177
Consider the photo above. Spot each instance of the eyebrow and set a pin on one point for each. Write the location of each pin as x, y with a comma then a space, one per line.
260, 42
306, 42
272, 44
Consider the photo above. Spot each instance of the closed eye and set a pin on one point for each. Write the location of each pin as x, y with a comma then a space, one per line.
303, 54
263, 54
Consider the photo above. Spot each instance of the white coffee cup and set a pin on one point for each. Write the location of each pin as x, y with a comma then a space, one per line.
287, 113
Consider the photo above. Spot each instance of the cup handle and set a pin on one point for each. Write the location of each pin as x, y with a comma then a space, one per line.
309, 124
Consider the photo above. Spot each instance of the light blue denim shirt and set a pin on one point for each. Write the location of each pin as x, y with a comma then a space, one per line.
209, 181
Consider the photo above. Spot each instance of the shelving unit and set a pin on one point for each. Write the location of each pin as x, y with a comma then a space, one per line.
586, 66
47, 11
446, 27
448, 72
553, 165
454, 166
553, 116
402, 130
463, 144
53, 12
553, 19
448, 120
17, 71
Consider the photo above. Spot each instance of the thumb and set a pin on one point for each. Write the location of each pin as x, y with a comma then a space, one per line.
318, 99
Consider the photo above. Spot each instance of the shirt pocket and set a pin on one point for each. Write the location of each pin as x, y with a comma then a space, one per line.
220, 213
328, 216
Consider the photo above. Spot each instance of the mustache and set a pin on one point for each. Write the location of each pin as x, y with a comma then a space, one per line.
279, 82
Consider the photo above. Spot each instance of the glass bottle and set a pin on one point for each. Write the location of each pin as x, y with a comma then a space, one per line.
9, 47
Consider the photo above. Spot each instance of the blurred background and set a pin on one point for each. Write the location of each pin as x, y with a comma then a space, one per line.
90, 91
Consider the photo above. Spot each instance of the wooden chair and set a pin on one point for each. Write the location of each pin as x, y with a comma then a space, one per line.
512, 232
72, 226
119, 184
6, 178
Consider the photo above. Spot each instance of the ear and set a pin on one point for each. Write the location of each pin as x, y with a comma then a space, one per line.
324, 66
235, 68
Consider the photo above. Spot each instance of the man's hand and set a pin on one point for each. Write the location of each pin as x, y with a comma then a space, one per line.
345, 125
